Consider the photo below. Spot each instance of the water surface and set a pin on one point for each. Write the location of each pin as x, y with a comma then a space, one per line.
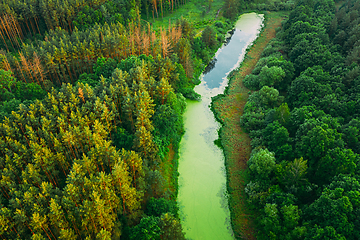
202, 183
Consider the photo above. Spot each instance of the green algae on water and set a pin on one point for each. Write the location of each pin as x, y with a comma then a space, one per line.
202, 182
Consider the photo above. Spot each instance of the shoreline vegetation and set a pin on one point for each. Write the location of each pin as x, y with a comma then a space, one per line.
92, 96
92, 107
303, 118
228, 108
209, 19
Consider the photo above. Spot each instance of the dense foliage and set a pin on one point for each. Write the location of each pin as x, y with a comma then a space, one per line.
304, 119
91, 104
63, 57
37, 16
62, 174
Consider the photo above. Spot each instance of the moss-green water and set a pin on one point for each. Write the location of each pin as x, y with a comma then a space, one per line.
202, 183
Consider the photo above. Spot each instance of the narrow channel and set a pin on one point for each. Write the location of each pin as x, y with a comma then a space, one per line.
202, 183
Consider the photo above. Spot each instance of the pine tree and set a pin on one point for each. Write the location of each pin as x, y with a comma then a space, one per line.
163, 88
135, 164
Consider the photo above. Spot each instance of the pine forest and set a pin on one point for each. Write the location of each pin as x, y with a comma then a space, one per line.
92, 97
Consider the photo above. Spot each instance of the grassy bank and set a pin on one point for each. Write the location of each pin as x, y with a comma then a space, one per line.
228, 109
198, 13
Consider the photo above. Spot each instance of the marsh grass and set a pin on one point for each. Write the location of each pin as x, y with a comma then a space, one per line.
228, 108
196, 12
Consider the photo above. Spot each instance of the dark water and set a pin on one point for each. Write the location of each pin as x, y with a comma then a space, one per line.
227, 58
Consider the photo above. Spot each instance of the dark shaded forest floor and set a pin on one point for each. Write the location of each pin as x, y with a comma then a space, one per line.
235, 141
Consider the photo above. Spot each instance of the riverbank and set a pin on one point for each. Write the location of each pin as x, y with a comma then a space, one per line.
228, 109
202, 197
192, 13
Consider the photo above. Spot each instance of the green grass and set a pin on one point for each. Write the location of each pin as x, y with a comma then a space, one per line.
196, 12
228, 109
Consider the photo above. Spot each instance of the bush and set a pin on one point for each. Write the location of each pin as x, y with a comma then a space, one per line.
104, 67
262, 163
219, 25
252, 121
88, 78
190, 94
29, 91
271, 75
252, 82
157, 207
208, 37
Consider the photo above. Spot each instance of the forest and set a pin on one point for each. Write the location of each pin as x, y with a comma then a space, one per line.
303, 118
91, 104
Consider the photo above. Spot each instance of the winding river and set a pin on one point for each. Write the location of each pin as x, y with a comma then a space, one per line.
202, 183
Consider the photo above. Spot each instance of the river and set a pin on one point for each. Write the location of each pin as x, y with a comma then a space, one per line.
202, 194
